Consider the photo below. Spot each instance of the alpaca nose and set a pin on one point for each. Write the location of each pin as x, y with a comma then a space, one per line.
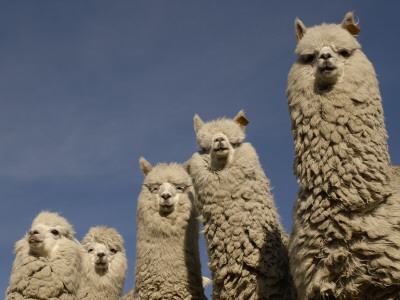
32, 232
325, 55
166, 196
101, 254
218, 139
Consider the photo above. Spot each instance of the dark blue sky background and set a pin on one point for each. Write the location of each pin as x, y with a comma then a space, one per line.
87, 87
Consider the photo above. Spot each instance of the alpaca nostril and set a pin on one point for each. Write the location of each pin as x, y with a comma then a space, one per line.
101, 254
218, 139
32, 232
166, 196
325, 55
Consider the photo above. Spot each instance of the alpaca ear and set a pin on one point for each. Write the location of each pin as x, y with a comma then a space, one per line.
349, 24
186, 166
299, 28
145, 166
198, 123
241, 119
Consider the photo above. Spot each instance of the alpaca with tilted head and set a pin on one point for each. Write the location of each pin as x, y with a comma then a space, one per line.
345, 240
48, 261
167, 250
245, 240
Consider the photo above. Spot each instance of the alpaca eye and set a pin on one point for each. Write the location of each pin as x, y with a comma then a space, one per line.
90, 250
345, 53
307, 58
55, 232
181, 188
113, 251
235, 145
153, 189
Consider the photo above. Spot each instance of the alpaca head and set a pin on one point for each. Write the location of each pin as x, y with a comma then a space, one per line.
220, 138
325, 51
47, 230
166, 183
104, 247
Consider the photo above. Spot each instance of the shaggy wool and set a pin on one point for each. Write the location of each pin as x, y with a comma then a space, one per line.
53, 276
247, 256
104, 265
345, 240
167, 251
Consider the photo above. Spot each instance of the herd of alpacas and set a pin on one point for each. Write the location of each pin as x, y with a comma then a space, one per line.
345, 238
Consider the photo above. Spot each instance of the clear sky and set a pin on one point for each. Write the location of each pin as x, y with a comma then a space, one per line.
87, 87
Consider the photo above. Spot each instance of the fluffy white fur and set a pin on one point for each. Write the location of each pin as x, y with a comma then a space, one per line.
345, 241
167, 253
247, 256
104, 265
48, 261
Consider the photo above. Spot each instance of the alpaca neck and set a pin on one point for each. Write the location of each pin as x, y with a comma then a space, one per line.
341, 151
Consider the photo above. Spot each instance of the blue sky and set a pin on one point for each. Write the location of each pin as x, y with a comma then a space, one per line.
87, 87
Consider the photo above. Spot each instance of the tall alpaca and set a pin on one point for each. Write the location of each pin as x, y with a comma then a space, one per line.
167, 253
345, 241
48, 261
248, 259
104, 265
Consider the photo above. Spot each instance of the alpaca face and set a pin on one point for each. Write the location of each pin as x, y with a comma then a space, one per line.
166, 186
43, 239
329, 65
220, 138
221, 151
325, 51
167, 195
100, 255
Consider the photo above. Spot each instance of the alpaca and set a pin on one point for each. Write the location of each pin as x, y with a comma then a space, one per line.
48, 261
247, 255
104, 265
167, 253
345, 241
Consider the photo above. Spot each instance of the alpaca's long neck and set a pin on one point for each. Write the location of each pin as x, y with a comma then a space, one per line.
174, 260
341, 153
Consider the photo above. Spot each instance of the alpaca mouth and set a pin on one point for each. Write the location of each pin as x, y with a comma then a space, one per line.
101, 265
167, 206
221, 150
34, 242
327, 69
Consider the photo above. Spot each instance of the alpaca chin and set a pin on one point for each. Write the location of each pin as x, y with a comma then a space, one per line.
220, 158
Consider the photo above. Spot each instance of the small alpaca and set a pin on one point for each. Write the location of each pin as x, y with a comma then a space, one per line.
104, 265
48, 261
245, 241
345, 241
167, 253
